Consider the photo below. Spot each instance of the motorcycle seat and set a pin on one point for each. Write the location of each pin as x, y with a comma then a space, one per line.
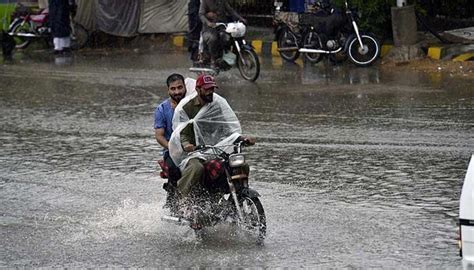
40, 18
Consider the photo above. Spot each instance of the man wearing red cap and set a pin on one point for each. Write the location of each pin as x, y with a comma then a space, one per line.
201, 110
205, 86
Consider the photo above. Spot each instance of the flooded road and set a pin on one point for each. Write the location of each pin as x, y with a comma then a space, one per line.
357, 167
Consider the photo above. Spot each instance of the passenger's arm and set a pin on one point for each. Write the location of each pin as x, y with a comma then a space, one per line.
234, 13
202, 15
160, 137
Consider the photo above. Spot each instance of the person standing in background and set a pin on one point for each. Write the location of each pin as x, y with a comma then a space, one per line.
194, 28
60, 23
43, 4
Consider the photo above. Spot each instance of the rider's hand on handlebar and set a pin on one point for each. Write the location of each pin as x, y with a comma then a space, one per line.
250, 140
188, 148
211, 24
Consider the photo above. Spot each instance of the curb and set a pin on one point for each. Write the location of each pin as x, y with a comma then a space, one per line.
455, 53
452, 52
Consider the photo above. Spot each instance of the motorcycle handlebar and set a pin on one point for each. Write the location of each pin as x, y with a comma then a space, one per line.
237, 146
217, 24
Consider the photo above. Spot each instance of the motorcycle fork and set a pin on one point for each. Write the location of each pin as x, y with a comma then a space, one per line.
239, 49
27, 18
356, 30
233, 192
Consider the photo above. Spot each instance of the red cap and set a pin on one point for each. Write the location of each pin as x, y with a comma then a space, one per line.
205, 81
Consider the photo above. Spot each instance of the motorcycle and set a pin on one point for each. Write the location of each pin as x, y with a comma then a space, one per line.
288, 33
236, 52
27, 26
224, 195
336, 35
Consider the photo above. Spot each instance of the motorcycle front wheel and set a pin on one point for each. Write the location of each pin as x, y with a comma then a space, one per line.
254, 221
288, 40
21, 28
366, 55
249, 65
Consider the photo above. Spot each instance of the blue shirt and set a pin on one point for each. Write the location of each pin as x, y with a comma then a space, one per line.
164, 117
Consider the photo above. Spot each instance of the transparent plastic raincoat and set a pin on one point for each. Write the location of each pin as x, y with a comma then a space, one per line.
215, 124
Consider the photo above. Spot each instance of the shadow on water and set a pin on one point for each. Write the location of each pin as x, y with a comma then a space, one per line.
357, 167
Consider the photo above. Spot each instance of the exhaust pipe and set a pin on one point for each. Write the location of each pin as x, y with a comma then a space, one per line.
304, 50
203, 70
22, 35
176, 220
289, 49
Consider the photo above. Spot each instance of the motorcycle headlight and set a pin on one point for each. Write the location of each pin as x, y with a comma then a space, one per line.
236, 160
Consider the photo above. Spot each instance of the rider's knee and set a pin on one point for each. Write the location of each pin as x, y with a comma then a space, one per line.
196, 166
212, 38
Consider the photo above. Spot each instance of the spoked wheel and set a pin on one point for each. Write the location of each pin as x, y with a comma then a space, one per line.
19, 28
254, 221
312, 41
365, 55
288, 46
249, 65
79, 36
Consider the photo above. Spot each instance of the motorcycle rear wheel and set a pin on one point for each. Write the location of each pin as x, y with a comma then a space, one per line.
18, 27
312, 41
79, 36
254, 220
364, 56
249, 65
288, 40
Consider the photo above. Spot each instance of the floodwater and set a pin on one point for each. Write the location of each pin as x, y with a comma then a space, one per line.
357, 167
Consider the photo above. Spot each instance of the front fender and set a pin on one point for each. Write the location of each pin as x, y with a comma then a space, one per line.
13, 23
250, 193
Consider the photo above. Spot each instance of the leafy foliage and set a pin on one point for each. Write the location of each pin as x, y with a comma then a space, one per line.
375, 14
5, 12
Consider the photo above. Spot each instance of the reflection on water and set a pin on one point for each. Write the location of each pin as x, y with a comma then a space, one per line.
328, 73
356, 167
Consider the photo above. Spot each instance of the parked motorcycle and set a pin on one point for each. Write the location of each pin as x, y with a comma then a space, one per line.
334, 35
225, 195
28, 26
288, 33
236, 52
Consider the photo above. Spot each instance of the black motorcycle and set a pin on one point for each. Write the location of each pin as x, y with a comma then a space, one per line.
224, 195
236, 52
336, 35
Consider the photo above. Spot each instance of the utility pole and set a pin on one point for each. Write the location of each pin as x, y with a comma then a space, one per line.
404, 33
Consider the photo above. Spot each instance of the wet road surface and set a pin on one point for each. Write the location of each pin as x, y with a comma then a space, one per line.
356, 167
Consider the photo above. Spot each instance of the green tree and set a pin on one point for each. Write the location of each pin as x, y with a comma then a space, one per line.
375, 15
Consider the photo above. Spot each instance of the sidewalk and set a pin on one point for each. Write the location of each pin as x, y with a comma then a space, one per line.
262, 39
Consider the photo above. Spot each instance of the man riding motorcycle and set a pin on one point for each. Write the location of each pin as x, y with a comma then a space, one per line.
203, 118
211, 12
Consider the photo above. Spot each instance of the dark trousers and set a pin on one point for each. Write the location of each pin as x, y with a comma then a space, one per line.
211, 39
194, 28
173, 171
59, 18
